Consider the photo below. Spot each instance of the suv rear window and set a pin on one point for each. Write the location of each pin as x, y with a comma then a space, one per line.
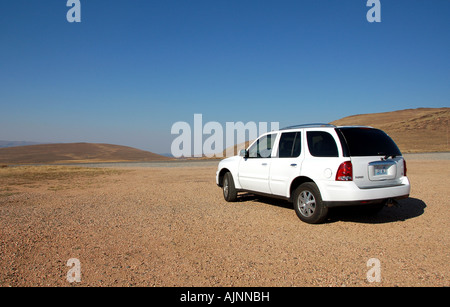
321, 144
369, 142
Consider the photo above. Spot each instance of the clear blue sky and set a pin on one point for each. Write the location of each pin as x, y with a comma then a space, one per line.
132, 68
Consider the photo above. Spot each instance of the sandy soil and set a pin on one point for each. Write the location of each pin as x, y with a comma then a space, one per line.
171, 227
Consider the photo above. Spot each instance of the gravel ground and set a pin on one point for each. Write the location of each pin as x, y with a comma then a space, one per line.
171, 227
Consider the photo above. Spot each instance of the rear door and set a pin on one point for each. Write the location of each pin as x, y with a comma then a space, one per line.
376, 159
286, 164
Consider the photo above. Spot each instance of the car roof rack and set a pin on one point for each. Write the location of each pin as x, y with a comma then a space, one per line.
309, 126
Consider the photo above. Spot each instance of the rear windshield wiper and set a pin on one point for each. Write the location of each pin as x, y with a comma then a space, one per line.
386, 156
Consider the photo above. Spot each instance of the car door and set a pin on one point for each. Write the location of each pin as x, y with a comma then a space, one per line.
286, 164
254, 170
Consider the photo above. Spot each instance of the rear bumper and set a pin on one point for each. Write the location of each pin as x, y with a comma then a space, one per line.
332, 204
348, 193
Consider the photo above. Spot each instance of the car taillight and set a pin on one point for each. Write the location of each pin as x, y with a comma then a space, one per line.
345, 172
404, 167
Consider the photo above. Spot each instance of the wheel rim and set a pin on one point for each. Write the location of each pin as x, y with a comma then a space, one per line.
306, 203
225, 187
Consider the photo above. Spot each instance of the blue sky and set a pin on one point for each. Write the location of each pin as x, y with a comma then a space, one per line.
131, 69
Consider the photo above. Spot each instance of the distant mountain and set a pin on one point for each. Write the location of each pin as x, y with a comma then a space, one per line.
168, 154
75, 153
4, 144
414, 130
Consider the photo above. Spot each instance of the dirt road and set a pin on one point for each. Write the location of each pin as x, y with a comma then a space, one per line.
171, 227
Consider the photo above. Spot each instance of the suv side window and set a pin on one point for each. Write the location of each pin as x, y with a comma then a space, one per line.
290, 145
263, 147
321, 144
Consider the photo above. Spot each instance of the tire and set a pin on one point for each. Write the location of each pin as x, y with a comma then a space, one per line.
308, 204
229, 190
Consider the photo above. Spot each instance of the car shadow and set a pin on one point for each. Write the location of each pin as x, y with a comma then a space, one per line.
246, 197
404, 210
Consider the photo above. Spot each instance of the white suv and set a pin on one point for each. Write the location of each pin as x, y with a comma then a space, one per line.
319, 166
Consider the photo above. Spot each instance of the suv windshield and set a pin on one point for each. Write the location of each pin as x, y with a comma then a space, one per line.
369, 142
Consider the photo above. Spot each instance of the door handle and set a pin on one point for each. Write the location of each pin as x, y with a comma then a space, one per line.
263, 164
293, 164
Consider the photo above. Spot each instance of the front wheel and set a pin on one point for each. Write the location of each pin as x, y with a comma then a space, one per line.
229, 190
308, 204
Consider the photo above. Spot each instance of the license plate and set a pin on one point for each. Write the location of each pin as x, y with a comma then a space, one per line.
380, 170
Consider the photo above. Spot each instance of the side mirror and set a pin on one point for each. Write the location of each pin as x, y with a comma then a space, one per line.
243, 153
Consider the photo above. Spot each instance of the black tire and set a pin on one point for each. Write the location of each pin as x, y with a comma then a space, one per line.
229, 190
308, 204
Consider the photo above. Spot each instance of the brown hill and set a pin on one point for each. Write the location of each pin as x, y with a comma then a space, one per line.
75, 153
414, 130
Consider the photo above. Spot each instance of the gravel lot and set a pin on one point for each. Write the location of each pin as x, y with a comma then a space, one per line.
169, 226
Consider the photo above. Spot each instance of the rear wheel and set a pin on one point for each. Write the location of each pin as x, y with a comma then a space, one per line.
229, 190
308, 204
